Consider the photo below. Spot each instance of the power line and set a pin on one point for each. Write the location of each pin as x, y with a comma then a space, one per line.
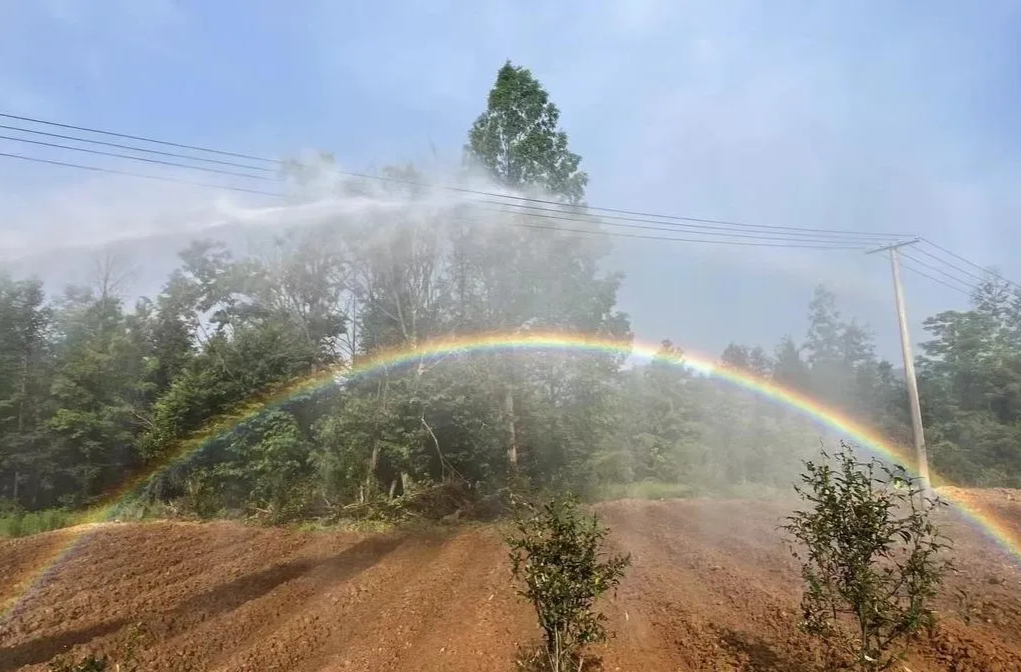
897, 258
954, 255
857, 244
617, 213
823, 245
134, 148
804, 233
969, 287
795, 238
597, 232
953, 266
791, 231
986, 271
136, 137
935, 279
632, 222
581, 209
117, 155
638, 219
126, 173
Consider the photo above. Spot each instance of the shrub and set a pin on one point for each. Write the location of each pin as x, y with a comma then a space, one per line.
871, 557
556, 554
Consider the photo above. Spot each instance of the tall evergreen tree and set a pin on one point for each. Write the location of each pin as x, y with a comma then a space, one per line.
26, 462
546, 280
518, 141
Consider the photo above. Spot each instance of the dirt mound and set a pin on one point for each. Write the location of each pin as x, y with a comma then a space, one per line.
712, 588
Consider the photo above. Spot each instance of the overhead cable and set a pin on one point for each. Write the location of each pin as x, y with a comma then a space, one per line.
475, 192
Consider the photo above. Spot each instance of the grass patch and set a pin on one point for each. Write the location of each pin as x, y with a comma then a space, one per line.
24, 524
434, 507
644, 490
368, 526
660, 490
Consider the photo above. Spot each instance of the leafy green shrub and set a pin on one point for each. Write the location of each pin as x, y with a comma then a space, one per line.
871, 558
556, 554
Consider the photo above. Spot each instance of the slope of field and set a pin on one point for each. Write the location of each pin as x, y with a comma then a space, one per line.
711, 588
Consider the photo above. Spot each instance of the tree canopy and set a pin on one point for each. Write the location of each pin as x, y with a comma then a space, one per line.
518, 141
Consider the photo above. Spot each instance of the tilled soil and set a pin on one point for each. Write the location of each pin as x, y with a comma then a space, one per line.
712, 587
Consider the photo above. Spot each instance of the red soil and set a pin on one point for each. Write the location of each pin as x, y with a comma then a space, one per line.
711, 588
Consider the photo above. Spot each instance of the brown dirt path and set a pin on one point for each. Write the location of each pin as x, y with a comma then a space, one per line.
711, 588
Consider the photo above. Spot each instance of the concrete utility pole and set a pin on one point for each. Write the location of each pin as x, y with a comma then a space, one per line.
921, 458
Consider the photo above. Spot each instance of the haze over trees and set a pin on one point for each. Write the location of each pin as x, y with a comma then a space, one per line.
92, 390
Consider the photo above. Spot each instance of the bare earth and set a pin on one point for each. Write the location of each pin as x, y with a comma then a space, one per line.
711, 588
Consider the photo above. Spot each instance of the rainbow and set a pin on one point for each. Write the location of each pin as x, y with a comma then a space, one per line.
980, 515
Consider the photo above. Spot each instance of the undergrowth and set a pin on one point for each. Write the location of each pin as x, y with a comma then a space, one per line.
660, 490
17, 523
426, 504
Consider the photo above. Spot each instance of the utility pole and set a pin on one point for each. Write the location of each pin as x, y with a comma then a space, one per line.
921, 458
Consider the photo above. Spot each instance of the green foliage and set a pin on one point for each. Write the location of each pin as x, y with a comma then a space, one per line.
517, 139
17, 522
970, 379
27, 455
871, 557
93, 390
264, 462
556, 554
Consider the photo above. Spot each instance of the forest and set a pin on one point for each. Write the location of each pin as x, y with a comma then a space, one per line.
94, 391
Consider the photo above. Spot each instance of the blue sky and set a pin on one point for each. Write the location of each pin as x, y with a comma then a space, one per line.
868, 115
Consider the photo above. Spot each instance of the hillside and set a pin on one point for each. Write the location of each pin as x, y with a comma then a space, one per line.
712, 588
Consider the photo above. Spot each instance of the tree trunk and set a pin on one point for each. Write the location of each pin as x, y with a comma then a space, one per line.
370, 478
512, 444
21, 415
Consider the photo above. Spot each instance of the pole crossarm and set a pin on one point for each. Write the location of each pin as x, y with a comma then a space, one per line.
894, 246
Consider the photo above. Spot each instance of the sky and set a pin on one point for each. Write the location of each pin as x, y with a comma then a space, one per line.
871, 116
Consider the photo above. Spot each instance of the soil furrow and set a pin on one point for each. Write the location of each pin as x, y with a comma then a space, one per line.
712, 587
